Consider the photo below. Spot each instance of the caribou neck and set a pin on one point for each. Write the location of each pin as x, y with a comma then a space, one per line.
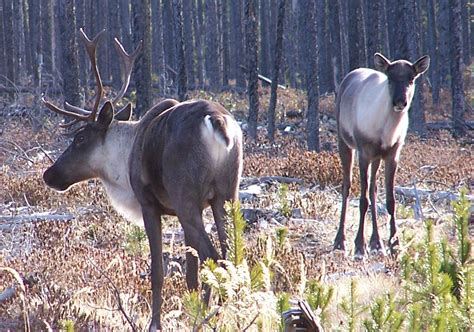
114, 172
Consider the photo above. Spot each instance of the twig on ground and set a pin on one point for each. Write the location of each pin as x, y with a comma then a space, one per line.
117, 295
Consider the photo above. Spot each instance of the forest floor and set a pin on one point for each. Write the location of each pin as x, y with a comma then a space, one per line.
74, 253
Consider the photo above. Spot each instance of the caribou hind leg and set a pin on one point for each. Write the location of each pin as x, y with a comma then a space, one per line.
375, 245
346, 154
218, 211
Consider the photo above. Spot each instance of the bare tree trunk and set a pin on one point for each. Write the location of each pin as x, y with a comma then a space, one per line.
68, 51
432, 49
276, 69
324, 59
168, 34
237, 43
357, 44
113, 31
190, 17
158, 60
182, 80
211, 51
29, 47
225, 42
290, 47
198, 25
3, 56
126, 36
344, 37
443, 45
373, 29
19, 33
264, 38
47, 35
312, 113
466, 47
9, 41
456, 63
335, 34
251, 30
141, 13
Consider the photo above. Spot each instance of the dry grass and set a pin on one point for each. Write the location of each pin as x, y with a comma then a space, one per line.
73, 268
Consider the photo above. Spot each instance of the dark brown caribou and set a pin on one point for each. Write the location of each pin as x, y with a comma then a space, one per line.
178, 159
372, 116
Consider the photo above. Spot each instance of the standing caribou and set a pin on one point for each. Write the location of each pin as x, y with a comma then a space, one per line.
372, 118
178, 159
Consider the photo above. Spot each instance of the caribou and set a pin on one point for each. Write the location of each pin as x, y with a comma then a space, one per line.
178, 159
372, 119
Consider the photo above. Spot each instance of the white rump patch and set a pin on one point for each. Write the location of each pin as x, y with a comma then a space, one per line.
213, 139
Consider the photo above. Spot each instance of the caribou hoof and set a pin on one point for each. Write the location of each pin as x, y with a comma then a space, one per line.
394, 245
360, 254
376, 248
339, 247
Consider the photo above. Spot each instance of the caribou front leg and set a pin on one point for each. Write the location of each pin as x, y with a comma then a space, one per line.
152, 220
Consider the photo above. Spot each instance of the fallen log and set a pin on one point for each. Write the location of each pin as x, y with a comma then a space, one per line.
245, 182
425, 193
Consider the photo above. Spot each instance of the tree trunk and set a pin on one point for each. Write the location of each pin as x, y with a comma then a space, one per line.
225, 42
324, 59
237, 48
9, 42
141, 13
158, 59
344, 36
47, 35
373, 29
456, 64
113, 21
212, 51
264, 39
357, 51
168, 34
412, 42
290, 47
188, 41
443, 45
19, 34
335, 34
466, 40
68, 51
251, 30
3, 56
312, 113
276, 69
198, 40
432, 49
125, 24
180, 51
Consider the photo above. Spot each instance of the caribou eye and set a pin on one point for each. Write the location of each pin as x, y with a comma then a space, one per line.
80, 139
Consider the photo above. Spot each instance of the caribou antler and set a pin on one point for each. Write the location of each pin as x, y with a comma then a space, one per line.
126, 65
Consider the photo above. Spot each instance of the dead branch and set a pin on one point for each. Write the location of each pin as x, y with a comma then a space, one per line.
425, 194
268, 179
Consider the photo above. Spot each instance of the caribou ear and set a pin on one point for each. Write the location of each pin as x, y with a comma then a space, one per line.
106, 114
125, 114
381, 63
421, 65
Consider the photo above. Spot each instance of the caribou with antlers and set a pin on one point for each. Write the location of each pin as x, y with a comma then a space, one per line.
178, 159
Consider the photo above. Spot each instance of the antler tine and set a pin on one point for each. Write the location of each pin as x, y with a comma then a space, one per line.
91, 47
75, 109
126, 64
58, 110
69, 124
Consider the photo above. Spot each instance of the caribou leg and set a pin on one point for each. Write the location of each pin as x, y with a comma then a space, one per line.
374, 244
346, 154
152, 220
391, 165
218, 211
364, 164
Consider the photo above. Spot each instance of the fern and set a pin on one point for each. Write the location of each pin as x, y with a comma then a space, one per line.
235, 233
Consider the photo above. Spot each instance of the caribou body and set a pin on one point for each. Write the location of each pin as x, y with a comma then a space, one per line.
178, 159
372, 117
